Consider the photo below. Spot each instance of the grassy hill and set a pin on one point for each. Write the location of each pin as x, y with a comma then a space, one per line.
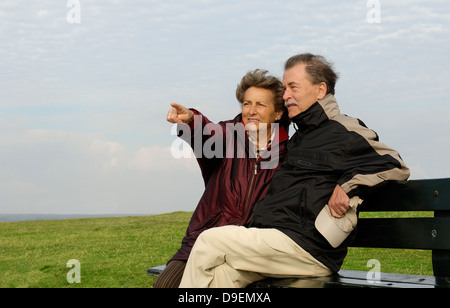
116, 252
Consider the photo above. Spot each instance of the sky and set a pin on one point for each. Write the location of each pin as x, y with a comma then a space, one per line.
85, 87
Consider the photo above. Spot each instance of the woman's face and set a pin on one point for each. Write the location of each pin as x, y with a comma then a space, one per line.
258, 107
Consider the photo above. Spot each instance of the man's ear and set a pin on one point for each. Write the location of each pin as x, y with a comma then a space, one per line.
322, 91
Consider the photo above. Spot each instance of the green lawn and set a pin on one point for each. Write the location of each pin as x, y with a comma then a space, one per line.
113, 252
116, 252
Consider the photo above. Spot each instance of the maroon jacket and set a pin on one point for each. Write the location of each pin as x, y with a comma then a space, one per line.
233, 185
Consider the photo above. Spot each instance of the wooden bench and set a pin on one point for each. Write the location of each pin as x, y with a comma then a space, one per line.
423, 233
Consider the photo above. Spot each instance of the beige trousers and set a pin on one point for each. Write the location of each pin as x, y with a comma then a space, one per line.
234, 257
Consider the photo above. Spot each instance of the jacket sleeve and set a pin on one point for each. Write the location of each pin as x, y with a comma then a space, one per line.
201, 142
369, 162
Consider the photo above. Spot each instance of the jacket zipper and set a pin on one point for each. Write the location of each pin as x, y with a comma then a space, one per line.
250, 190
246, 203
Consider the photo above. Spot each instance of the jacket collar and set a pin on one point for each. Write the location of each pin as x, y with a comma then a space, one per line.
320, 112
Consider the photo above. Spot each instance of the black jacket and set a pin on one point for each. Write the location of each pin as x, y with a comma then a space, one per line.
327, 149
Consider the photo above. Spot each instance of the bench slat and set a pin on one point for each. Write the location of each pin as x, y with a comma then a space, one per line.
155, 271
406, 233
414, 195
352, 279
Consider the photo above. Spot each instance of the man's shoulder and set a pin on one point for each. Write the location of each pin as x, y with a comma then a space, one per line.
355, 125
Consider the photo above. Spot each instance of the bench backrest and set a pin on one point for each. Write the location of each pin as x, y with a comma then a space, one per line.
427, 233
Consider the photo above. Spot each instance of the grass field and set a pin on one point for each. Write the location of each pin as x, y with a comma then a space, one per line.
116, 252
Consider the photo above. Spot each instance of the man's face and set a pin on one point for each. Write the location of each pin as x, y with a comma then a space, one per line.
300, 93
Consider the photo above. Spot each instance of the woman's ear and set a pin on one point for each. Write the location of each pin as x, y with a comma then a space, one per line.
279, 115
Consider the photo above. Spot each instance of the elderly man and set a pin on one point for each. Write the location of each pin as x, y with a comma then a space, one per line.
331, 158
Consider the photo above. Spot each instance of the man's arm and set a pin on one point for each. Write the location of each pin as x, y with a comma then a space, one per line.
368, 163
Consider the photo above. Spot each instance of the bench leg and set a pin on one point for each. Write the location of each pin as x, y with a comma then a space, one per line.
441, 263
441, 258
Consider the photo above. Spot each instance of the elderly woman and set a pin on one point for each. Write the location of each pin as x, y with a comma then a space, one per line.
234, 181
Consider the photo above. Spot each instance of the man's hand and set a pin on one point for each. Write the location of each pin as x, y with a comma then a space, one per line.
179, 114
339, 202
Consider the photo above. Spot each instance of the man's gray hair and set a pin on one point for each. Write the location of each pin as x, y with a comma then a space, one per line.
319, 69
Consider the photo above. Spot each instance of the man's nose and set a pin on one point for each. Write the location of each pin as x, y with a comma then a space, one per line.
287, 95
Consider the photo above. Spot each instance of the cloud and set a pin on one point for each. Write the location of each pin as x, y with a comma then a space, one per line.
63, 172
162, 159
